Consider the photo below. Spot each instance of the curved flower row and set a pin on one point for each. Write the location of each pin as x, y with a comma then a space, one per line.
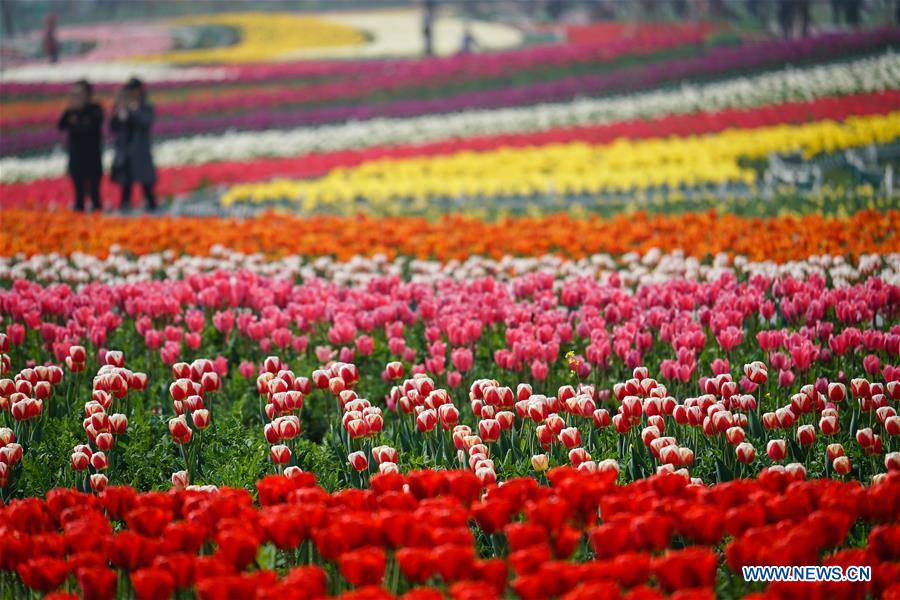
571, 168
261, 36
717, 63
791, 85
778, 239
377, 78
188, 178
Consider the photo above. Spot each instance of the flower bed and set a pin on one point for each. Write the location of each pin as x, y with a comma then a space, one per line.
538, 427
779, 239
716, 63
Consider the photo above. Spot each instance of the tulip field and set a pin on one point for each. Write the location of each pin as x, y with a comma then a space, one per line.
534, 323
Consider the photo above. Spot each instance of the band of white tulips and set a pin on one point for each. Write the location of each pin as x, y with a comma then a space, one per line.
631, 270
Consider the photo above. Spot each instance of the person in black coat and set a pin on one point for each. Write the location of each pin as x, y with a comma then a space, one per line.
83, 120
131, 122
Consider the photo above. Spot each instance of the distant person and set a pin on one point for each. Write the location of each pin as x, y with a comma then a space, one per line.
469, 44
428, 26
50, 43
131, 122
83, 120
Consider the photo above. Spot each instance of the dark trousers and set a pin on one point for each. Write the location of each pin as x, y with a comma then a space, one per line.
149, 196
85, 185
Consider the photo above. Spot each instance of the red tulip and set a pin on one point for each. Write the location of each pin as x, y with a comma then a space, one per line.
118, 423
358, 461
489, 430
180, 480
394, 370
570, 437
745, 452
806, 435
280, 454
865, 438
97, 583
180, 430
578, 456
832, 451
104, 441
152, 584
735, 435
383, 454
841, 465
776, 450
364, 566
892, 461
99, 461
426, 420
892, 425
43, 574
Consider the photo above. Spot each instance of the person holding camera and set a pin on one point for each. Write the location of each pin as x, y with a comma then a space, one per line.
131, 122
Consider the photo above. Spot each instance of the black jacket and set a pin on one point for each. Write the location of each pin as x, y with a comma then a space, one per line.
85, 143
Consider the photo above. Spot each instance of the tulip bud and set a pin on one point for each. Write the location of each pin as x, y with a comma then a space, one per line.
892, 425
388, 467
734, 435
540, 462
828, 425
837, 392
394, 370
486, 475
632, 407
80, 461
99, 482
865, 438
180, 430
357, 428
104, 441
746, 453
358, 461
118, 423
489, 430
280, 454
832, 451
776, 450
99, 461
201, 418
180, 480
892, 461
570, 437
841, 465
426, 420
669, 455
77, 354
383, 454
115, 358
6, 436
806, 435
523, 391
796, 471
578, 456
292, 472
506, 419
211, 382
601, 418
610, 464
